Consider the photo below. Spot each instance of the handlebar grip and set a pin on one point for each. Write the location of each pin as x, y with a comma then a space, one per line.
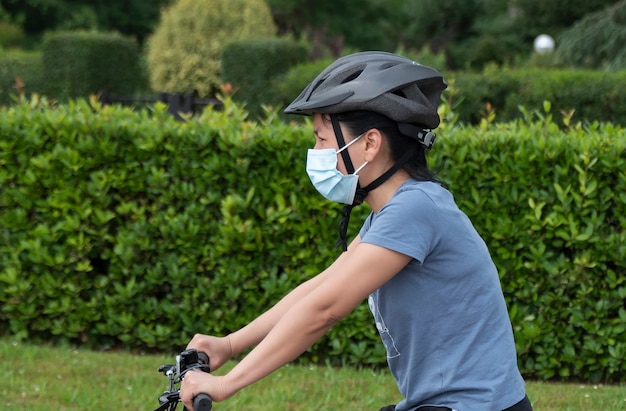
202, 402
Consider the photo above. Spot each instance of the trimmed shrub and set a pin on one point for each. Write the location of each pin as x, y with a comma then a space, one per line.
202, 225
185, 51
594, 95
251, 65
20, 73
77, 64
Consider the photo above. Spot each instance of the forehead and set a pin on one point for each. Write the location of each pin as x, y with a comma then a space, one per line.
322, 124
318, 120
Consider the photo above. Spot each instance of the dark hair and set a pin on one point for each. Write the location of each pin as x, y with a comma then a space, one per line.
360, 121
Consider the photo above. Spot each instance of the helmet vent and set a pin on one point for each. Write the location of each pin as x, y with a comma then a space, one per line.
399, 93
316, 85
352, 76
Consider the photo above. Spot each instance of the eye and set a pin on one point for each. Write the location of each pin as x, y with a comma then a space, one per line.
319, 138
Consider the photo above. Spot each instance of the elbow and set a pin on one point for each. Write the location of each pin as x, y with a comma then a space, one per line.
323, 312
328, 317
331, 320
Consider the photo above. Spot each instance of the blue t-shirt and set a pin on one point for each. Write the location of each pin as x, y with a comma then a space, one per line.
443, 318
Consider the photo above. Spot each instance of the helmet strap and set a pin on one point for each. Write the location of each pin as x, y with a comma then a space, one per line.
397, 166
341, 142
360, 194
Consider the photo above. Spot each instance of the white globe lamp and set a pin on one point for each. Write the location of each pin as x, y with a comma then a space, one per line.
543, 44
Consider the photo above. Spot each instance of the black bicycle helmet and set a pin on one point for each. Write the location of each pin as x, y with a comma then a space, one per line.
386, 83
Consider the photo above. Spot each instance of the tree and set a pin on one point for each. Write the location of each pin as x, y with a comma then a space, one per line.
597, 40
333, 25
539, 16
135, 18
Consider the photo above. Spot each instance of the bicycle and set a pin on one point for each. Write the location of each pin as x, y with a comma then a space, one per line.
186, 361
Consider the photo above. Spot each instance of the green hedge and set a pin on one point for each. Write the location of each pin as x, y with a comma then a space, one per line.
77, 64
594, 95
129, 228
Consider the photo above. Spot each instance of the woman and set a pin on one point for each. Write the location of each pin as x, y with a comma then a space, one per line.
428, 276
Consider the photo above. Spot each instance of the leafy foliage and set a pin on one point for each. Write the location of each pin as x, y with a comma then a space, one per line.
135, 18
538, 16
333, 25
202, 225
184, 53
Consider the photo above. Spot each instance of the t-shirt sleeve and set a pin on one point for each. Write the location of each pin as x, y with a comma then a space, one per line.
407, 224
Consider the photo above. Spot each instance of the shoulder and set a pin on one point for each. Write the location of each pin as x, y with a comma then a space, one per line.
410, 222
419, 197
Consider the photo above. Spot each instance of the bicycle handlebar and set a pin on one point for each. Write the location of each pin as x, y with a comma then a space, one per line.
187, 360
202, 402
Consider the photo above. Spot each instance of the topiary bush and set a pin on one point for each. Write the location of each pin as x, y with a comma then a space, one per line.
251, 65
79, 63
185, 51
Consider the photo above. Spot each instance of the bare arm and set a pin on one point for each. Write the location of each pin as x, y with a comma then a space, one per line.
306, 316
257, 330
221, 349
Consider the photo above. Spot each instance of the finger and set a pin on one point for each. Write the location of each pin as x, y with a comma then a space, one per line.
187, 403
194, 341
185, 394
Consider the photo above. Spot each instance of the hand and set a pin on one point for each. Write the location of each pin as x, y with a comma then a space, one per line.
218, 349
198, 382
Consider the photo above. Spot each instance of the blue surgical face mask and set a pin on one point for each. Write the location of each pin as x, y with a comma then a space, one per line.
321, 166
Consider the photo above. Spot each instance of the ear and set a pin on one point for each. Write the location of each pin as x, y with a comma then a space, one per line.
373, 144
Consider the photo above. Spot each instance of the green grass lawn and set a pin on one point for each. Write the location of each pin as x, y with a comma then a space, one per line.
62, 378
